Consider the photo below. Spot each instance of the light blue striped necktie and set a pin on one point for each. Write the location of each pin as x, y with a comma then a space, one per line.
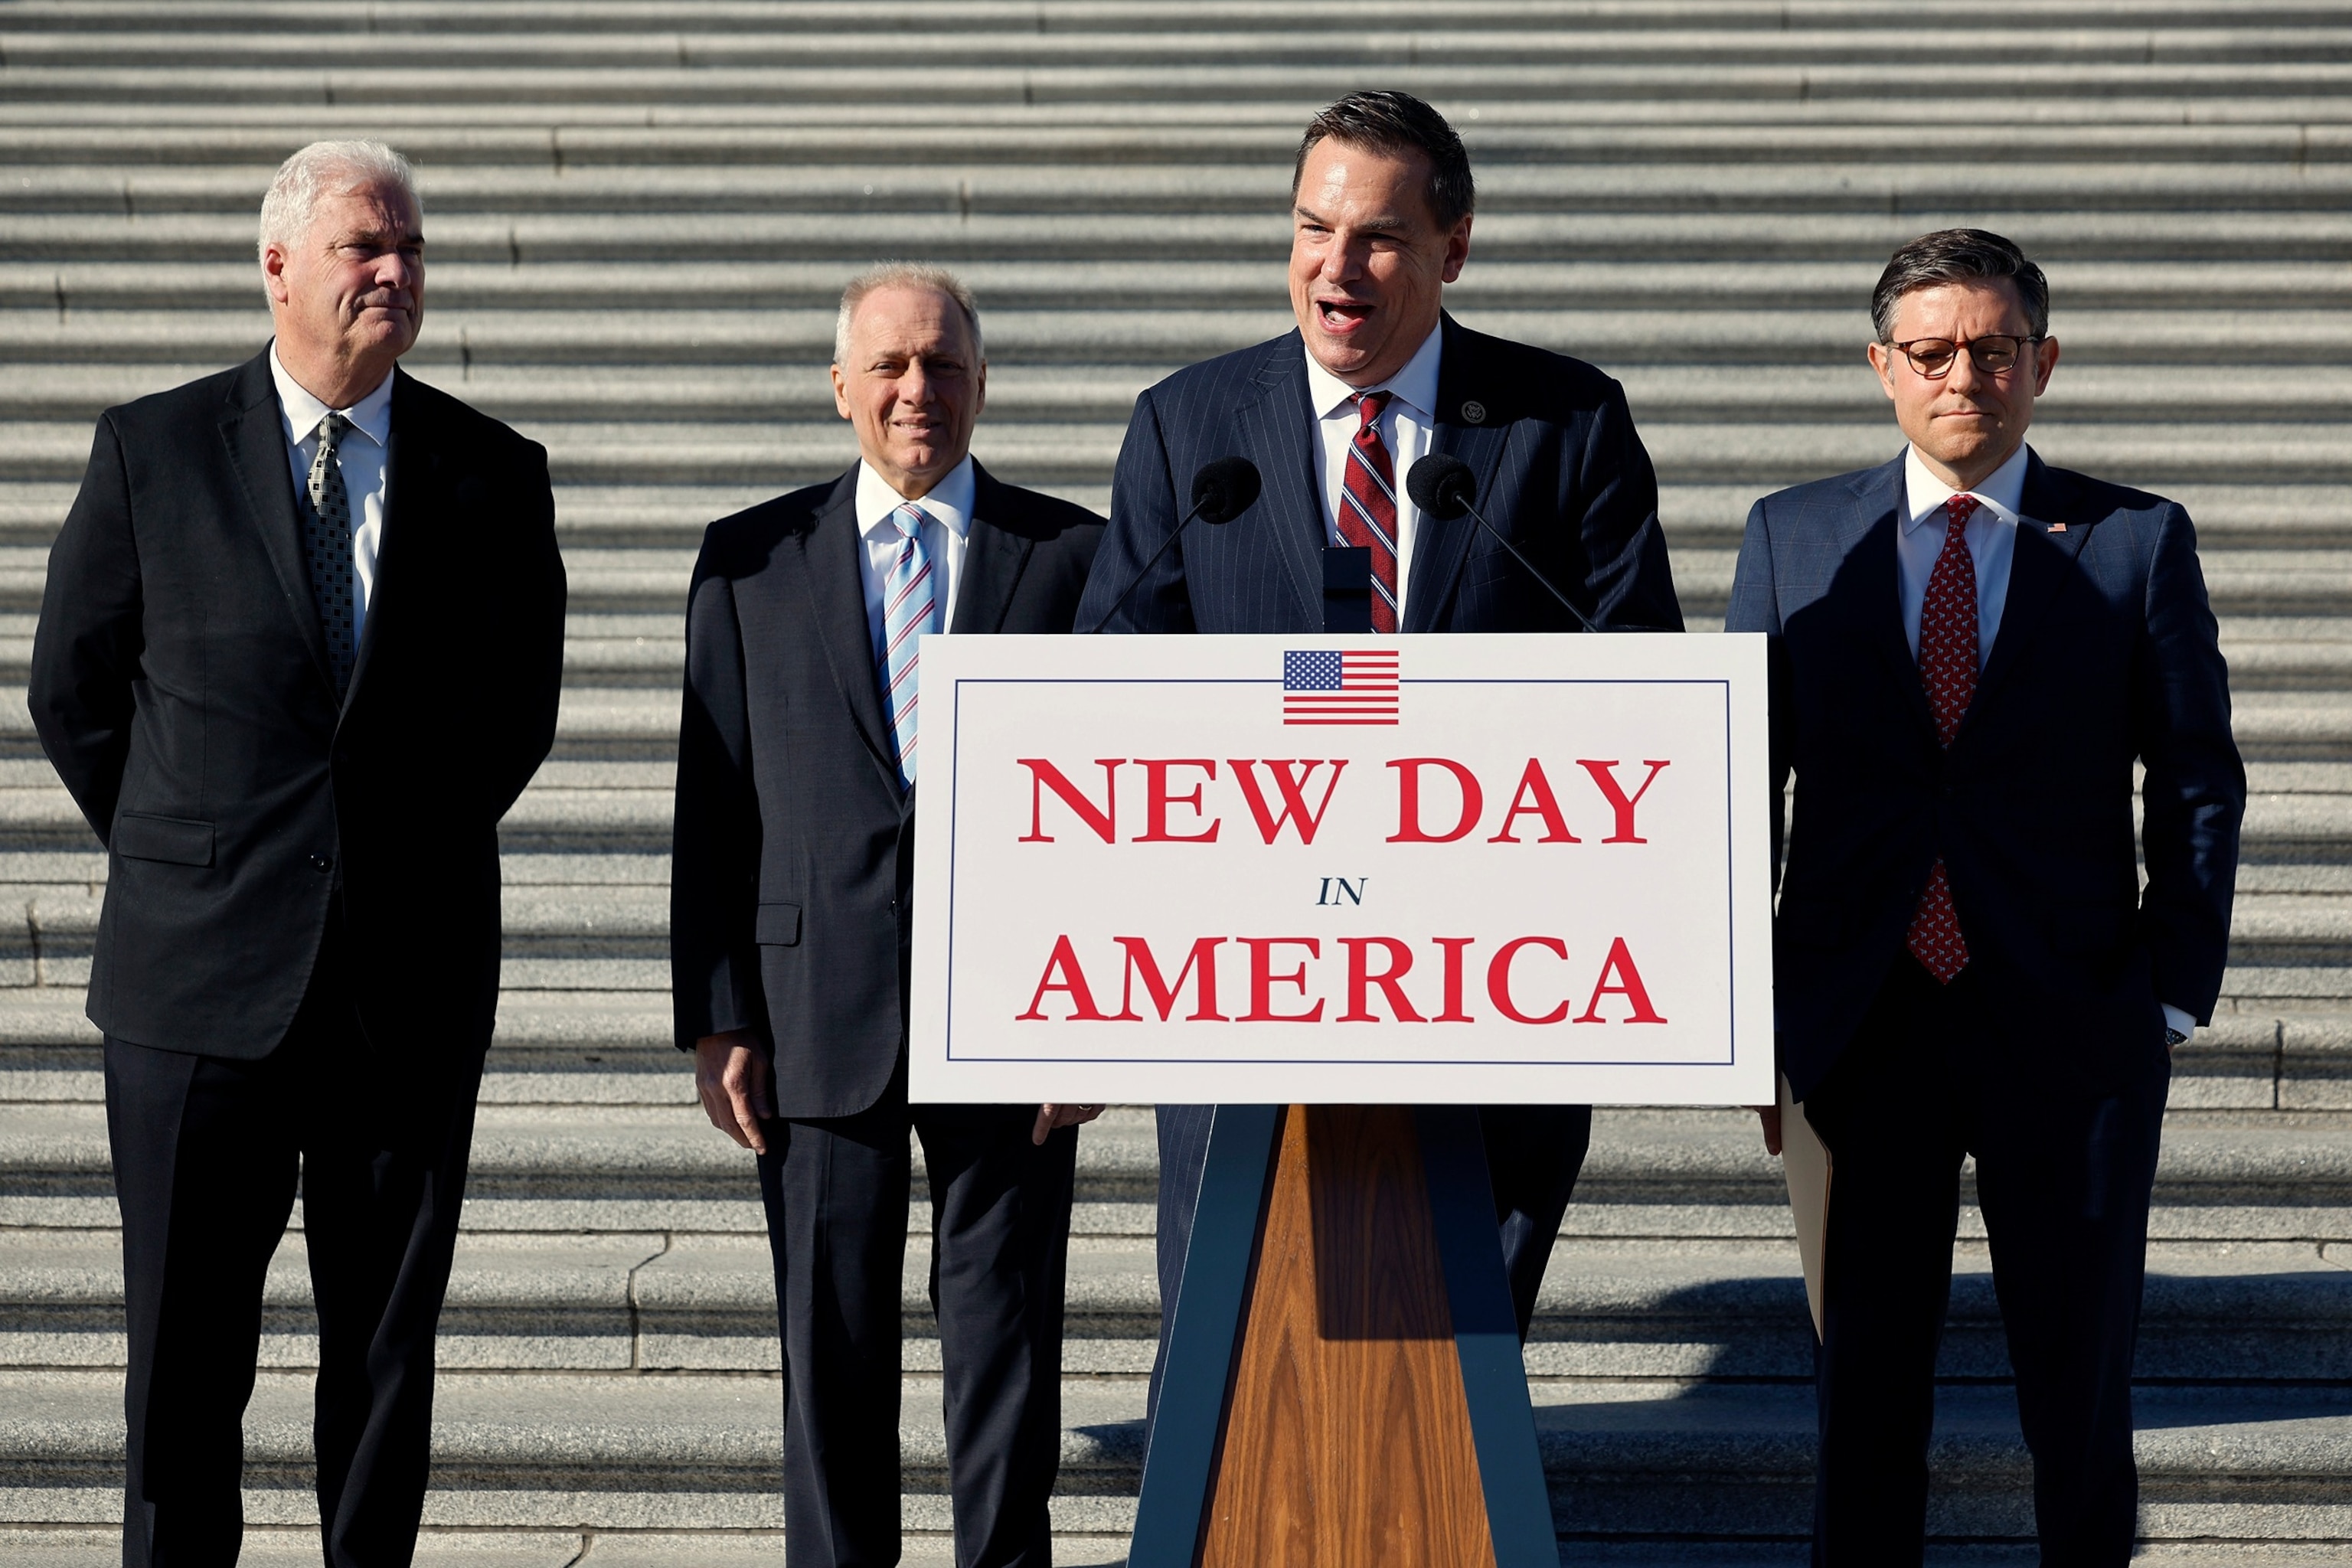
909, 609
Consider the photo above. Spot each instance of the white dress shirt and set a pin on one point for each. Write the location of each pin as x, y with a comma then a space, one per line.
1991, 539
944, 539
1408, 425
360, 455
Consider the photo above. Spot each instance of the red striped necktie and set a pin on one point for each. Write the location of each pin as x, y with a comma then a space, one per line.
1948, 669
1368, 509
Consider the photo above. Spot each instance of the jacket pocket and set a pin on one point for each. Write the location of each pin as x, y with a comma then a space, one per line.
175, 839
777, 925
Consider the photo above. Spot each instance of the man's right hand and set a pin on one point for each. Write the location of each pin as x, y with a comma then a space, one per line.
737, 1084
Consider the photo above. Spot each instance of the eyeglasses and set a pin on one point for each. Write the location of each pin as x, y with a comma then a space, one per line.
1933, 357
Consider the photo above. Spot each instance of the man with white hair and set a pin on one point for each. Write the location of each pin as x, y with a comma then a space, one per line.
300, 650
791, 916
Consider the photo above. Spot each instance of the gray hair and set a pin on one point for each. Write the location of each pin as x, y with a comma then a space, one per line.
904, 275
1958, 255
314, 172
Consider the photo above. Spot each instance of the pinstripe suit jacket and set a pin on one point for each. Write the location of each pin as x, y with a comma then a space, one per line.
1549, 438
2106, 656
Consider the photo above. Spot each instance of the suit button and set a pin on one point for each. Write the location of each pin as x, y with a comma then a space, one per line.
323, 862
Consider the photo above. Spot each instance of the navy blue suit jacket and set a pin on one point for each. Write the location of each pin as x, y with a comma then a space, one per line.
182, 687
791, 867
2107, 655
1549, 438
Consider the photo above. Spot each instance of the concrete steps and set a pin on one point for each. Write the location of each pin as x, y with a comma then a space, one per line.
640, 217
148, 140
1603, 234
62, 287
1668, 1368
1642, 1307
1107, 38
1119, 60
1628, 185
1625, 1456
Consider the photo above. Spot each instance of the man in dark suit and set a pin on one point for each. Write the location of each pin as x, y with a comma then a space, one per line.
1971, 650
1334, 415
299, 649
791, 931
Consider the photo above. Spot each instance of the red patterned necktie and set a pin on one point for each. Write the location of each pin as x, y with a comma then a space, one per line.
1948, 669
1367, 511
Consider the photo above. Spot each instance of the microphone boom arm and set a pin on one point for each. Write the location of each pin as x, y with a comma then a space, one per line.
1442, 486
1533, 571
1145, 571
1223, 489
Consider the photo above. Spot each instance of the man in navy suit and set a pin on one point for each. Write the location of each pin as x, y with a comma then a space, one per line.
1971, 650
792, 900
1334, 415
300, 648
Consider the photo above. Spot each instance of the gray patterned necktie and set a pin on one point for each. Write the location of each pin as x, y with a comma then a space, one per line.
327, 539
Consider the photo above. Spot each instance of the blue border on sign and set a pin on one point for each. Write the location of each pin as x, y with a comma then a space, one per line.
955, 805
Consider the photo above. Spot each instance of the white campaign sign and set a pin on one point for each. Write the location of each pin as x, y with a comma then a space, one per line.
1343, 869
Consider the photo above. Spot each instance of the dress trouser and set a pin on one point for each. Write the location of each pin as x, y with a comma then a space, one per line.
1533, 1154
2064, 1182
836, 1193
208, 1155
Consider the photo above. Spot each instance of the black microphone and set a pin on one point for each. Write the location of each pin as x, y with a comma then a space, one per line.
1442, 487
1223, 489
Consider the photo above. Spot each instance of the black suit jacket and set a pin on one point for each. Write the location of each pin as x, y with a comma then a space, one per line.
793, 874
181, 687
1558, 465
2107, 655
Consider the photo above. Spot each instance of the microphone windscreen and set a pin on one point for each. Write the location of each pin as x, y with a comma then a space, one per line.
1440, 485
1224, 488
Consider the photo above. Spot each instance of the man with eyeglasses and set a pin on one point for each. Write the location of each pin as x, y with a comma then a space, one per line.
1971, 650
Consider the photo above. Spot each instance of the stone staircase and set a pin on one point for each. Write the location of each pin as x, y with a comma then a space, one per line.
640, 217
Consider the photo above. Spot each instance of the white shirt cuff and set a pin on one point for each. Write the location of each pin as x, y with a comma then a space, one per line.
2180, 1020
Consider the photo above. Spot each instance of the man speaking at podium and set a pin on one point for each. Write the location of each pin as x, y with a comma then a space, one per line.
1334, 415
1972, 651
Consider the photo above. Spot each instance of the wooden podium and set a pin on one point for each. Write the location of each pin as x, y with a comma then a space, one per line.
1422, 873
1343, 1384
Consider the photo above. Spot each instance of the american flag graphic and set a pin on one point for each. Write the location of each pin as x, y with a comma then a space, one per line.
1353, 687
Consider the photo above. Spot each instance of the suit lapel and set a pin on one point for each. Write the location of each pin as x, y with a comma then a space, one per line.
836, 601
1276, 432
993, 562
1864, 549
254, 429
2038, 567
1440, 548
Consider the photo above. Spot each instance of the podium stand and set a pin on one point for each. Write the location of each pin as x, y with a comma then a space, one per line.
1417, 873
1344, 1384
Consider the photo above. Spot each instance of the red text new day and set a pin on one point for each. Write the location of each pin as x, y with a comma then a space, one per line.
1177, 807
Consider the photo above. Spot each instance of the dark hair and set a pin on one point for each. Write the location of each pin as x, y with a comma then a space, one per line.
1958, 255
1395, 123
